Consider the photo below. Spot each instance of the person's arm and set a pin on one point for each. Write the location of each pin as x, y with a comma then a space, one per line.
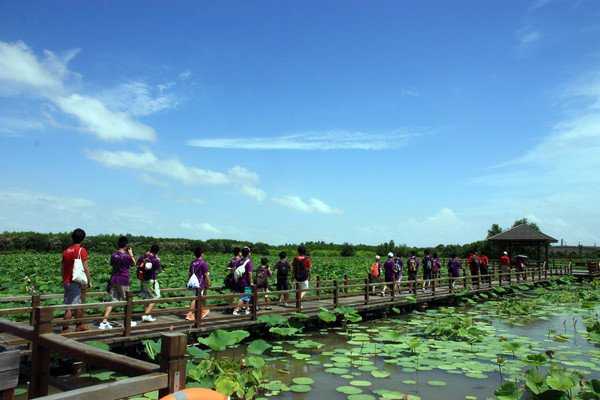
207, 278
86, 268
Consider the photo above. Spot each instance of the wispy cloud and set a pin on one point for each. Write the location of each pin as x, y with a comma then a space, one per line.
527, 36
108, 117
15, 125
203, 227
154, 169
331, 140
312, 205
139, 98
536, 4
410, 93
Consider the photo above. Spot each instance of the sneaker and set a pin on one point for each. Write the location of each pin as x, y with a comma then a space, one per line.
105, 325
268, 308
133, 324
236, 312
247, 312
148, 318
285, 304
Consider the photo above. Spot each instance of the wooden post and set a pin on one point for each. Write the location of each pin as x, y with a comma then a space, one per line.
128, 312
40, 355
254, 302
198, 308
35, 302
335, 293
298, 299
346, 283
546, 273
366, 291
173, 362
318, 287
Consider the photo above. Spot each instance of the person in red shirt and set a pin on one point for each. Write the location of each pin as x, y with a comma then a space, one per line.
72, 290
505, 265
484, 263
301, 266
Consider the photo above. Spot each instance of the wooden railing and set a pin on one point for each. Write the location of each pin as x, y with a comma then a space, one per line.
167, 377
320, 291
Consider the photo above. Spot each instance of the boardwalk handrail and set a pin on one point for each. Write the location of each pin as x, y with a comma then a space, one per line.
167, 377
325, 293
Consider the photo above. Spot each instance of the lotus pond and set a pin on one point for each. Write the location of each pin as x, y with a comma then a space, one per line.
523, 342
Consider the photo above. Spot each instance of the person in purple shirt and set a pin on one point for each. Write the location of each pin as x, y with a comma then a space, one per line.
453, 270
388, 272
243, 275
148, 267
118, 285
199, 267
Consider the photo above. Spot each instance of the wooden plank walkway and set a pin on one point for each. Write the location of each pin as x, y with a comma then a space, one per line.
347, 294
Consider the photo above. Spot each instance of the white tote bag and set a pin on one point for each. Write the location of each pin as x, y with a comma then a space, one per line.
193, 283
79, 275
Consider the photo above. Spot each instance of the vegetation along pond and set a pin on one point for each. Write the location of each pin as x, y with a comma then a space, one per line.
523, 342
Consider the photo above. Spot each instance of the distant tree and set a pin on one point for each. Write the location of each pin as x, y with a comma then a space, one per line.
347, 250
526, 222
261, 248
494, 230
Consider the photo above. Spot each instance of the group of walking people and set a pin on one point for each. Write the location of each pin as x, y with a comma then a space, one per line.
240, 278
395, 268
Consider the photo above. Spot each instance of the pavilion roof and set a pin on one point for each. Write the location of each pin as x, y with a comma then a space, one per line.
523, 232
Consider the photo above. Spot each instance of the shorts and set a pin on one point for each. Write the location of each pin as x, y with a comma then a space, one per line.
72, 293
118, 292
427, 274
283, 284
303, 285
247, 295
150, 289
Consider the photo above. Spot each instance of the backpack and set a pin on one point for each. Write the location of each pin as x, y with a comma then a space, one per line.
428, 263
229, 281
300, 271
475, 262
262, 278
375, 270
142, 266
412, 264
397, 268
283, 268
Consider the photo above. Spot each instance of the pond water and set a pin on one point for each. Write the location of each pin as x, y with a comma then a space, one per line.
409, 354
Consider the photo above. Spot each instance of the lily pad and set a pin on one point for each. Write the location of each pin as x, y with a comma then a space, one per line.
303, 380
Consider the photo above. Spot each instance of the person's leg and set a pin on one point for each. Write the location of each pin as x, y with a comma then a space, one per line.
107, 312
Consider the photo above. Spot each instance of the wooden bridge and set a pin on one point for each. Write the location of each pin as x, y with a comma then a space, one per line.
43, 331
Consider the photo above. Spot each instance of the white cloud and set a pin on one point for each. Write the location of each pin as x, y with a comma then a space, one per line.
49, 78
139, 98
185, 75
33, 199
153, 169
204, 227
254, 192
147, 162
99, 120
409, 93
331, 140
527, 36
20, 68
243, 175
312, 205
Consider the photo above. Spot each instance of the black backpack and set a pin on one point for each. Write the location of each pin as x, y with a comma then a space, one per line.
283, 268
300, 271
229, 281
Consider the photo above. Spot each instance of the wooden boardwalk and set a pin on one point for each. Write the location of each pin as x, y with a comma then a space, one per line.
325, 294
42, 335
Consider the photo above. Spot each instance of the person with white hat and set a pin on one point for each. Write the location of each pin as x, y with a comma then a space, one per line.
375, 272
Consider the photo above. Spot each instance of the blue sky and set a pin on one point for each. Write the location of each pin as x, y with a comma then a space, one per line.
423, 122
